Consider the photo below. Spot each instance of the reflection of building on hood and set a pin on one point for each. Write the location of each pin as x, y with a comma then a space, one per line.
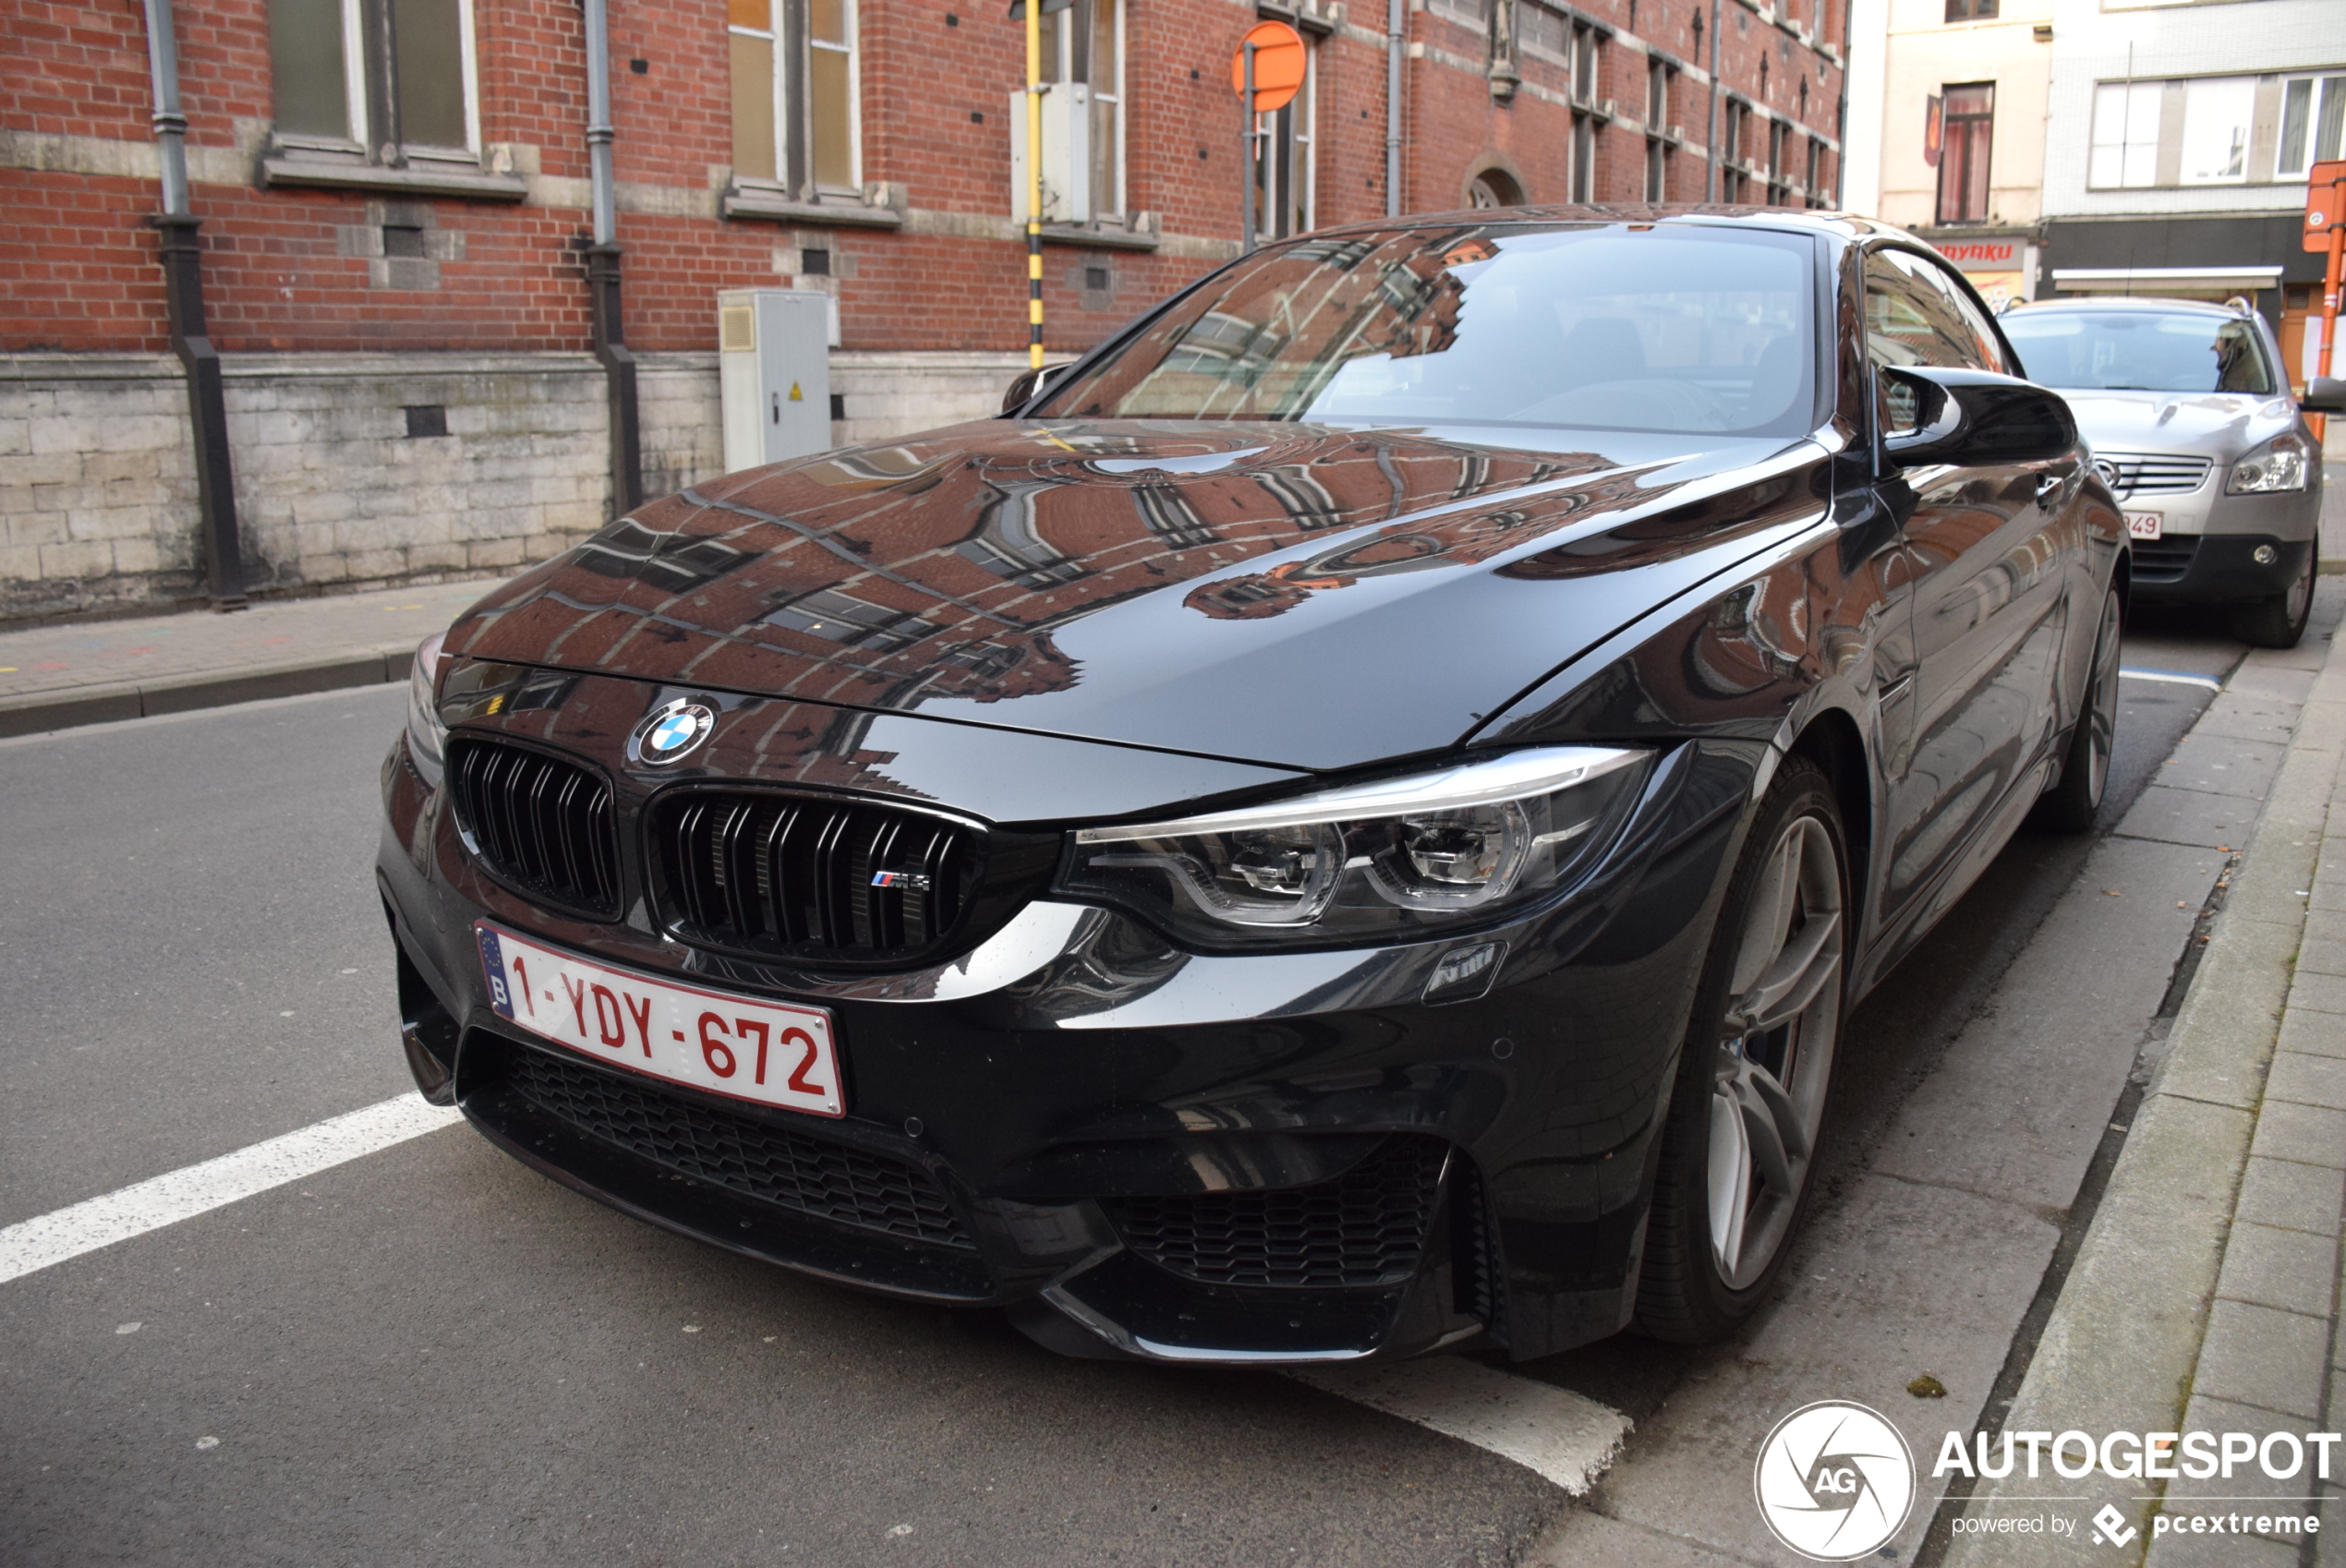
1260, 594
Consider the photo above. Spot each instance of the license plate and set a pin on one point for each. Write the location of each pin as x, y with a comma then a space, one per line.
2144, 525
772, 1052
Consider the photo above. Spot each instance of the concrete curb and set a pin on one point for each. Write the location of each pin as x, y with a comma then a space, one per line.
2121, 1347
35, 713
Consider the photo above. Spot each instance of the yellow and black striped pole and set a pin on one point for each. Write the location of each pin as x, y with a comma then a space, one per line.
1033, 9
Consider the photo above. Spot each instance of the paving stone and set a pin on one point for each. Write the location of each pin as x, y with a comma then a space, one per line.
2216, 1552
2294, 1196
2307, 1080
2263, 1356
1583, 1537
2310, 1135
2190, 817
2323, 949
2318, 993
2315, 1034
2222, 764
2248, 1487
2291, 1270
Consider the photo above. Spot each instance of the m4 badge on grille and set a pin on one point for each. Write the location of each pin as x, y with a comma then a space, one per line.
902, 881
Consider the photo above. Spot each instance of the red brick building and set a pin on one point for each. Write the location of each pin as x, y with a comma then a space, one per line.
394, 239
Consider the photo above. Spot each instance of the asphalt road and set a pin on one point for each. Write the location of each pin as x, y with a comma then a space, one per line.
432, 1355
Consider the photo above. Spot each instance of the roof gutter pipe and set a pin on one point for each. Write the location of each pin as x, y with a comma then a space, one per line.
602, 272
1395, 25
183, 303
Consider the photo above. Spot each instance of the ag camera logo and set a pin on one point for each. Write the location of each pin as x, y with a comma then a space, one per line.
1834, 1481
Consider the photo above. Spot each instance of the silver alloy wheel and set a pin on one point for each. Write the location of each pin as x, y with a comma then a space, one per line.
2301, 588
2101, 700
1776, 1050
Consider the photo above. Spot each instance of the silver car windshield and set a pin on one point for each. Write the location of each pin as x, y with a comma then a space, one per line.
1613, 327
2141, 350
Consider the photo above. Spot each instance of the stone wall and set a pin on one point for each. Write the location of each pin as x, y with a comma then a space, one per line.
342, 480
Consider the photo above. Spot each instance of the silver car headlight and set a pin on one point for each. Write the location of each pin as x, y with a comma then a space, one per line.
427, 737
2281, 464
1381, 861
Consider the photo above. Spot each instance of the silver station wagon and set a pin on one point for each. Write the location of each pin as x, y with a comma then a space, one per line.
2192, 427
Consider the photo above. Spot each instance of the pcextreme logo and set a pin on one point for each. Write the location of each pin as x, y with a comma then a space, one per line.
1834, 1481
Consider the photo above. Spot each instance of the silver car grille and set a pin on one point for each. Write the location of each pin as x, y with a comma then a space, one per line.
2151, 474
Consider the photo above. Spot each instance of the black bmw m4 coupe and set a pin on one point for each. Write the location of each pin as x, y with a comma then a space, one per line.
1345, 823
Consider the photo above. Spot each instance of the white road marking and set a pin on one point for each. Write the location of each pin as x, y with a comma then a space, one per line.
2172, 677
1564, 1437
62, 1234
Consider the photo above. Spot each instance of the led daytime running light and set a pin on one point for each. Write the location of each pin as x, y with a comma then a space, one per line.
1518, 774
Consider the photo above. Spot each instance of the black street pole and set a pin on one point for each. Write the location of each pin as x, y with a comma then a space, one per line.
182, 261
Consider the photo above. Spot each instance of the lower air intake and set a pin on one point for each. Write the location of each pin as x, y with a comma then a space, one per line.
822, 1180
1367, 1227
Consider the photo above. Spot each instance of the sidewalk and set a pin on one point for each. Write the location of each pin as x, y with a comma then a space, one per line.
56, 677
2204, 1293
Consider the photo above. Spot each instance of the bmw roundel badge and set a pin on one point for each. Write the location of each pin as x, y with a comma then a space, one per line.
669, 732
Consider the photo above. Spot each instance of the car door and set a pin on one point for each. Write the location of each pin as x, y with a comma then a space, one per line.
1987, 604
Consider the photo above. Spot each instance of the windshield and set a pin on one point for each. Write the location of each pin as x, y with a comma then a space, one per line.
1644, 327
2141, 351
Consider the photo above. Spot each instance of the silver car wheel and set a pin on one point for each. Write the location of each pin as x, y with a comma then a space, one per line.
1775, 1055
2102, 701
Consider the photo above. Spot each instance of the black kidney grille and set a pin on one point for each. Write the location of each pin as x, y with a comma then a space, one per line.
540, 823
1367, 1227
828, 1181
792, 874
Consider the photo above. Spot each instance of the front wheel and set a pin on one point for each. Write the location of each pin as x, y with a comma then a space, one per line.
1750, 1103
2070, 805
2280, 622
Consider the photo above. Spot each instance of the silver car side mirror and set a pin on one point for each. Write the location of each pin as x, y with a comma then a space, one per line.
2325, 395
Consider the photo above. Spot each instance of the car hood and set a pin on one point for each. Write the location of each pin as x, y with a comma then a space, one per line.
2218, 425
1307, 596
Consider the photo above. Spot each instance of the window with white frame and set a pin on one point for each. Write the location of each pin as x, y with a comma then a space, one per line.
2216, 115
797, 111
1085, 43
1285, 188
2124, 150
2313, 124
406, 89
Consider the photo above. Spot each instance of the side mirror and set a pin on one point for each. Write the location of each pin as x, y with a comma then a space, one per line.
1028, 387
2325, 395
1976, 416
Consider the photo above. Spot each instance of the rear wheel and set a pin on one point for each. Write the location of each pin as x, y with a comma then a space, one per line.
1749, 1102
2070, 805
2279, 622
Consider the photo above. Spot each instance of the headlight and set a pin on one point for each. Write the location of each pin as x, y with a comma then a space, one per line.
2281, 464
427, 737
1383, 861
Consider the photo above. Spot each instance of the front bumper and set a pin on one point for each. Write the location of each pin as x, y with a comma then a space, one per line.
2216, 569
1142, 1151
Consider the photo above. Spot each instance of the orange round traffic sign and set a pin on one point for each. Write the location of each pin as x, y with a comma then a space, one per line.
1279, 61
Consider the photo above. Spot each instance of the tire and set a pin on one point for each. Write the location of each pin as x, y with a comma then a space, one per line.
2070, 805
2280, 622
1748, 1105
